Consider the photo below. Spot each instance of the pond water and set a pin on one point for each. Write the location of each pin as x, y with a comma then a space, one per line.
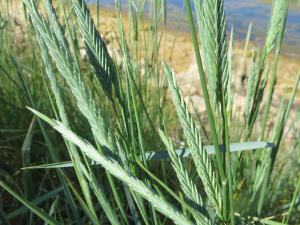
239, 13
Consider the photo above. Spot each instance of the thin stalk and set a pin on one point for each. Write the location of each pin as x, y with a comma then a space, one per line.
133, 112
261, 68
98, 15
156, 47
277, 138
226, 131
270, 96
246, 48
296, 193
53, 153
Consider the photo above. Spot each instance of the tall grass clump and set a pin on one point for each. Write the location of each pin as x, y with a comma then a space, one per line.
112, 140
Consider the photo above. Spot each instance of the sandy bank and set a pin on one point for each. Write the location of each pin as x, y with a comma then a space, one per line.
176, 48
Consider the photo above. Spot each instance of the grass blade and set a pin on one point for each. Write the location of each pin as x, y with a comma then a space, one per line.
113, 167
44, 216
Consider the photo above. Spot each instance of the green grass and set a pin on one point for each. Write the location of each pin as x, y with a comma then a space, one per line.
91, 141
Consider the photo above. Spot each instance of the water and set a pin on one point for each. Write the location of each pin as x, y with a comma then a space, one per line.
239, 13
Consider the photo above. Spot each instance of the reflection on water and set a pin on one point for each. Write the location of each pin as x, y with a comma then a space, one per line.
239, 13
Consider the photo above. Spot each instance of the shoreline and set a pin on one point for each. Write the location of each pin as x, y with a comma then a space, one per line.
181, 57
177, 49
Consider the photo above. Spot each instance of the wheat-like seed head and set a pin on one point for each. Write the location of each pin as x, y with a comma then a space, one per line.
203, 163
186, 183
96, 49
114, 168
70, 71
277, 23
212, 32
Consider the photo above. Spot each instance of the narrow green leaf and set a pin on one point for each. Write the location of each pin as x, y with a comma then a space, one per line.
44, 216
36, 202
113, 167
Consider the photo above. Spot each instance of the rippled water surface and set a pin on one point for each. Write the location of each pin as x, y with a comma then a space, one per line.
239, 13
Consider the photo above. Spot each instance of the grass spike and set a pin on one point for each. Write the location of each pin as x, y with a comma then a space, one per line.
203, 163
